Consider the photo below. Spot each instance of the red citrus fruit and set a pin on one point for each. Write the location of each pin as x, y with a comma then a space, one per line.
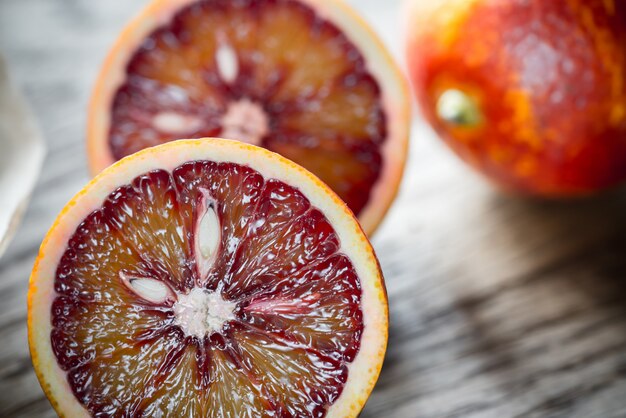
530, 93
207, 278
305, 78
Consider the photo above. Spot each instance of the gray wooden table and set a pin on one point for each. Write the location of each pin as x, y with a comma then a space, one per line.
500, 307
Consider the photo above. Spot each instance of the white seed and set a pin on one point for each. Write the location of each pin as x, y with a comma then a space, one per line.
151, 290
208, 238
176, 123
227, 63
207, 234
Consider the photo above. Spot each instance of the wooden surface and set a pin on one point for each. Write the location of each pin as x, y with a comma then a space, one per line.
500, 307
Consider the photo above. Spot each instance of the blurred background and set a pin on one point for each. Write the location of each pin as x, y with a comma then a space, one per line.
500, 306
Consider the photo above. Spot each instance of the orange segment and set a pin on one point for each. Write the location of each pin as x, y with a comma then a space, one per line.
308, 238
300, 75
236, 396
103, 360
279, 240
341, 112
347, 167
103, 253
147, 216
292, 375
116, 385
172, 397
317, 312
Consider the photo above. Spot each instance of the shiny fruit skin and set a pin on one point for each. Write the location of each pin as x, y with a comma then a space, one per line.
548, 79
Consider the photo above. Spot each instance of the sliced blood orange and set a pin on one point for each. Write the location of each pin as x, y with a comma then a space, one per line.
304, 78
207, 278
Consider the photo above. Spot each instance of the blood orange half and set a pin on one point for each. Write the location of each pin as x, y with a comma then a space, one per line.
304, 78
207, 278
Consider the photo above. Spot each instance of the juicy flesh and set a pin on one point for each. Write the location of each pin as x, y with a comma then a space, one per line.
208, 291
268, 72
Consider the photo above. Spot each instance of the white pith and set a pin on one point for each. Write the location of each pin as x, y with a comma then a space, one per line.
246, 121
149, 289
393, 84
201, 312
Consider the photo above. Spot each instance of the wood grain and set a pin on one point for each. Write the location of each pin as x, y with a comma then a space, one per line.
500, 306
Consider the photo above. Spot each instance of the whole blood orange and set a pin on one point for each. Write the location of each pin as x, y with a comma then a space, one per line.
305, 78
207, 278
531, 93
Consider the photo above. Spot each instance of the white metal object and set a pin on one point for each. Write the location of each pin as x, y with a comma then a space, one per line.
21, 156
